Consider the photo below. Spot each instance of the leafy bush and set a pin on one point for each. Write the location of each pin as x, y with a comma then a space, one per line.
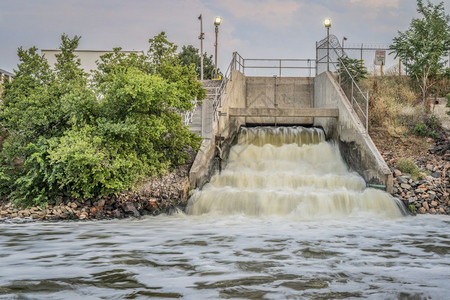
71, 136
406, 165
421, 129
448, 100
432, 125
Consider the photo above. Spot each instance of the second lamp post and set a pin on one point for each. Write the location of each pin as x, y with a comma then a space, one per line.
327, 24
217, 22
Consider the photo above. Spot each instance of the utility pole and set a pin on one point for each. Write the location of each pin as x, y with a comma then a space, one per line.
201, 37
217, 22
327, 24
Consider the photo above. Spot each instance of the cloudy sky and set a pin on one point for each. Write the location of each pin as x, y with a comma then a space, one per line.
254, 28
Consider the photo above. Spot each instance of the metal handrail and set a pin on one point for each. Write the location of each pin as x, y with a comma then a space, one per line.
189, 115
244, 63
365, 96
355, 89
239, 63
226, 77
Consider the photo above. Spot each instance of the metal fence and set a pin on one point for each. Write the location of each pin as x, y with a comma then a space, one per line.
330, 56
264, 67
282, 67
366, 54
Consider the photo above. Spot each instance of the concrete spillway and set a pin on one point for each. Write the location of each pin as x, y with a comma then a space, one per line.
289, 171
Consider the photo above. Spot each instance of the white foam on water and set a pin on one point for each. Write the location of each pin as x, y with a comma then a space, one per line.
293, 172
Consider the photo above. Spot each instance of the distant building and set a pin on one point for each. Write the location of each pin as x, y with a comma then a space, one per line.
87, 58
4, 75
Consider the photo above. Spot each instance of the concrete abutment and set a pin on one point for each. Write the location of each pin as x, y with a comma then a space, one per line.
284, 101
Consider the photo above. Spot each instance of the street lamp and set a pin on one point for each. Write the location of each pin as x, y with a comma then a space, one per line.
201, 38
343, 40
217, 22
327, 24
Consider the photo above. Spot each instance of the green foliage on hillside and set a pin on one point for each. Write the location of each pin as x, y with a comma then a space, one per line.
70, 135
423, 47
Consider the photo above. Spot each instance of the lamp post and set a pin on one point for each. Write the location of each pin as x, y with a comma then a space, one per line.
201, 38
343, 40
217, 22
327, 24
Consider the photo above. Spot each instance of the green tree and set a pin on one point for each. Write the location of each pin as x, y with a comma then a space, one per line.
190, 55
73, 136
350, 68
167, 64
423, 45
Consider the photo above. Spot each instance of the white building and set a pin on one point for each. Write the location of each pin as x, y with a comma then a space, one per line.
6, 75
88, 58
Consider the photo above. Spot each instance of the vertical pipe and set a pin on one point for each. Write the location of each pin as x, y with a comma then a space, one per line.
202, 119
309, 68
201, 37
317, 58
362, 63
367, 111
352, 93
340, 71
279, 66
215, 49
328, 49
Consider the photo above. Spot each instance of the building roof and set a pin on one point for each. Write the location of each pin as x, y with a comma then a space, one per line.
98, 51
4, 72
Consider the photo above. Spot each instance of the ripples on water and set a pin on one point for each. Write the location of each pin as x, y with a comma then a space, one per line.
235, 256
299, 226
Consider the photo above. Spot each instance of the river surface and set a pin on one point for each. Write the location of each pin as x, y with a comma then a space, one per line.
198, 257
285, 219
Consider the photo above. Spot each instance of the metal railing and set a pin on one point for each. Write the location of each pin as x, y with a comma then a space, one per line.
336, 63
188, 115
226, 77
276, 67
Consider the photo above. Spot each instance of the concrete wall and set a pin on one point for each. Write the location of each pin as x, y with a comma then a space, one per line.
234, 97
206, 162
279, 92
356, 146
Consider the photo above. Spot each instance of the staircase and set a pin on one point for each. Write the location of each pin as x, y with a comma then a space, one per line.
203, 114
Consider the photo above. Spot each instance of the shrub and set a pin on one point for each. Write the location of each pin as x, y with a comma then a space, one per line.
429, 128
406, 165
448, 99
420, 129
68, 135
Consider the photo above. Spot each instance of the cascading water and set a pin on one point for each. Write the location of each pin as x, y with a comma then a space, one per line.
286, 174
289, 171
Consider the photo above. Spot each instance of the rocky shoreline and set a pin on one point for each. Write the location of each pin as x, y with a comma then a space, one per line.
429, 195
161, 195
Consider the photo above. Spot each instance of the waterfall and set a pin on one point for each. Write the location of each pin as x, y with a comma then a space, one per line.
289, 171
